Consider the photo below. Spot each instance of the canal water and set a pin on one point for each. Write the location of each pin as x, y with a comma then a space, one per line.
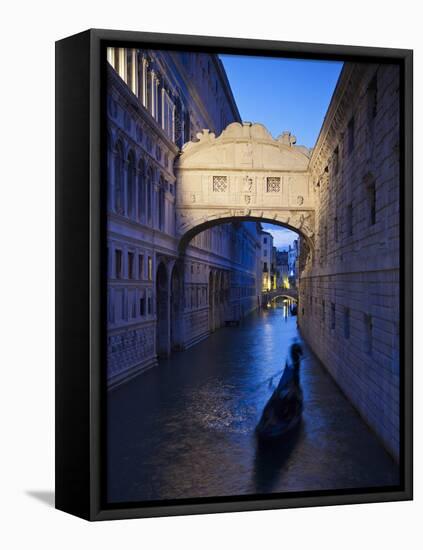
186, 428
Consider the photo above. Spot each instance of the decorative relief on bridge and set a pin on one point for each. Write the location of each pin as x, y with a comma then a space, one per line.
244, 173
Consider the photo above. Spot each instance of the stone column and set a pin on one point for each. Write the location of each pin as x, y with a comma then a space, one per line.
162, 100
134, 72
156, 98
159, 90
122, 63
139, 75
153, 93
172, 137
144, 80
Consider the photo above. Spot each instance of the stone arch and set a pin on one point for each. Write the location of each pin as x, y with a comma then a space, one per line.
110, 162
162, 203
131, 183
244, 175
285, 295
218, 300
149, 187
211, 299
118, 177
176, 308
162, 310
141, 189
191, 232
370, 192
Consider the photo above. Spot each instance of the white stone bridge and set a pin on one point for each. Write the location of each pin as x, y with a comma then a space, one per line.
291, 293
244, 174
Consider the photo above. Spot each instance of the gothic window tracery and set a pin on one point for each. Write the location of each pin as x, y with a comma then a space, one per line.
131, 184
118, 178
149, 193
162, 205
141, 190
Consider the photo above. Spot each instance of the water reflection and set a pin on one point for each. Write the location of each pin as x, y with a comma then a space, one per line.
186, 428
270, 459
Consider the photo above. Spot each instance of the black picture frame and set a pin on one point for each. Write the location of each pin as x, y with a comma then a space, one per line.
80, 269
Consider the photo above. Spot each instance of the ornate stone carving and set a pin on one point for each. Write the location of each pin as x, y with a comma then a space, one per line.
286, 138
248, 184
206, 167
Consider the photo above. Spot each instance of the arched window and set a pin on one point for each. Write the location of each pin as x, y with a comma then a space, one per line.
141, 190
162, 205
156, 206
149, 193
371, 198
118, 178
109, 170
131, 184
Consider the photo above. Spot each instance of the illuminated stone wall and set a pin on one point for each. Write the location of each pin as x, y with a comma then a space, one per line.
349, 300
156, 102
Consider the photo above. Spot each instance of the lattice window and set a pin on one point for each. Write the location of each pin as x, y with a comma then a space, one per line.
273, 185
220, 183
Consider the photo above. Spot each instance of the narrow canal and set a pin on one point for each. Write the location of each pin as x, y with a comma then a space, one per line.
186, 428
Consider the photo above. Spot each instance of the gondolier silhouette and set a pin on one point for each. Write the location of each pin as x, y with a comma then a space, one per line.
284, 409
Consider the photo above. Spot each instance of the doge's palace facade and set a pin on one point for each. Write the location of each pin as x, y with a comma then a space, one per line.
158, 300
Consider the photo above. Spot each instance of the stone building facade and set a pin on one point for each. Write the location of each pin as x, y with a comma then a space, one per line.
293, 263
189, 186
349, 297
282, 269
158, 300
267, 261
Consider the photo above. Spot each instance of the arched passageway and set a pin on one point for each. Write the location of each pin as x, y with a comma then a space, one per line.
176, 306
244, 174
201, 226
162, 311
211, 303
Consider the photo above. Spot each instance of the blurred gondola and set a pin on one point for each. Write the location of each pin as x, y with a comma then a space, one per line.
283, 411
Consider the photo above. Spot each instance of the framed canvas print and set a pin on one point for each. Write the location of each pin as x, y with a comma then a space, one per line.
234, 282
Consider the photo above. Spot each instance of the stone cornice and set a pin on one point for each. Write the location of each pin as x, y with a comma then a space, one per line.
249, 134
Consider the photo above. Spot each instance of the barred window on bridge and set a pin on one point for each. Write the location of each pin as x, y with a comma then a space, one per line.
273, 185
220, 184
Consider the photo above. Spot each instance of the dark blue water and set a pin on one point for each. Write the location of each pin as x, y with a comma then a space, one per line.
186, 428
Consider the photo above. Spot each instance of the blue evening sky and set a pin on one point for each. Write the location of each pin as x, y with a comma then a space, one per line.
283, 94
